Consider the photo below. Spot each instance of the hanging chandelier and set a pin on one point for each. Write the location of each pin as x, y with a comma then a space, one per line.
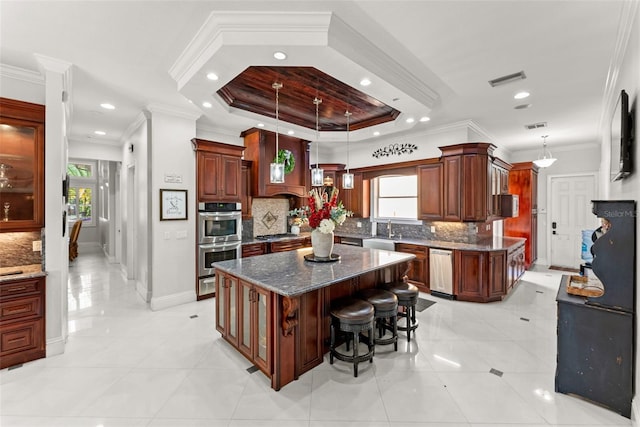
347, 178
545, 159
276, 171
317, 174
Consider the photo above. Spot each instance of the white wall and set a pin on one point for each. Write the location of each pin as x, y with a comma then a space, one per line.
173, 243
629, 188
94, 151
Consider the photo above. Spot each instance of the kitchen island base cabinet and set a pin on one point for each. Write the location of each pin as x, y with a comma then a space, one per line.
254, 318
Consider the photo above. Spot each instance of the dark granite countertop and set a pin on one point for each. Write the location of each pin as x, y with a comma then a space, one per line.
289, 274
21, 272
277, 239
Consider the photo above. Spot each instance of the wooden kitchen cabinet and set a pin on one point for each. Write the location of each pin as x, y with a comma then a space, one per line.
452, 188
430, 192
227, 307
357, 200
22, 321
219, 171
21, 165
419, 267
260, 149
515, 265
481, 275
290, 244
254, 316
254, 249
523, 181
245, 190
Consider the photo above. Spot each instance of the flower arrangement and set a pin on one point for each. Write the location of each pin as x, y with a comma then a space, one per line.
324, 212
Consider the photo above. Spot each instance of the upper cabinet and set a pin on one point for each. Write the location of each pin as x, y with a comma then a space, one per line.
430, 181
260, 149
21, 165
357, 200
219, 171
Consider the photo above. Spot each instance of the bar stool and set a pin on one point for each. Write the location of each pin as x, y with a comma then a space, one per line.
385, 304
352, 316
408, 298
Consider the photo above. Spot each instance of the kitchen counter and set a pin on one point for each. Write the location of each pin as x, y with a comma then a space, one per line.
488, 244
289, 274
21, 272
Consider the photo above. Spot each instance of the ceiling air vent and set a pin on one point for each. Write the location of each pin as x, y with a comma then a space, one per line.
507, 79
536, 125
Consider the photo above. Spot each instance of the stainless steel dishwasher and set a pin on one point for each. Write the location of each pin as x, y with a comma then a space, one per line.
441, 272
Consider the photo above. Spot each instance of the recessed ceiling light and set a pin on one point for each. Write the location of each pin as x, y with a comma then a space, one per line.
365, 82
522, 106
100, 132
280, 56
206, 104
107, 106
410, 120
212, 76
521, 95
291, 132
424, 119
260, 125
376, 133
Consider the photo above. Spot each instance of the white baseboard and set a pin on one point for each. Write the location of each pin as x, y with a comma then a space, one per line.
161, 303
55, 346
635, 413
143, 291
542, 262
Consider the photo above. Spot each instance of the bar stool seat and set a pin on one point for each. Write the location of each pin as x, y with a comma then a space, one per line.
385, 304
352, 316
408, 298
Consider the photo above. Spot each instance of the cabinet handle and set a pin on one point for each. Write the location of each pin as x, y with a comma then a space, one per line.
17, 288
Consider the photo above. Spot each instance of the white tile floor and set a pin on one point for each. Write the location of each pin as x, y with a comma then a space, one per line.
125, 365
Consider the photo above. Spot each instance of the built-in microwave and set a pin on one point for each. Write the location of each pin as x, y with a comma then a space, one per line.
508, 204
219, 222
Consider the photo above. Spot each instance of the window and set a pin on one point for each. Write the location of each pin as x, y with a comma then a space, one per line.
82, 193
396, 197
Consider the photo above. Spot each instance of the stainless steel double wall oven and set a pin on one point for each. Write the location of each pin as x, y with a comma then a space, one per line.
219, 239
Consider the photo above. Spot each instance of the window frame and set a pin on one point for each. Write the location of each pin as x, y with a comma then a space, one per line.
90, 182
375, 196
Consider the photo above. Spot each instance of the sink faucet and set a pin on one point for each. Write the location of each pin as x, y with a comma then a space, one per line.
389, 229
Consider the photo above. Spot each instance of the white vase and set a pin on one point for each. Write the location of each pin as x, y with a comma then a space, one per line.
322, 243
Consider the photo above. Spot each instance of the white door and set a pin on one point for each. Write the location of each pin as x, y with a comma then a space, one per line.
570, 213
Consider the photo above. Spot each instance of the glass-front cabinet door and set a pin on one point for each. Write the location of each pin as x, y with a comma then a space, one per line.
244, 340
262, 337
21, 166
221, 303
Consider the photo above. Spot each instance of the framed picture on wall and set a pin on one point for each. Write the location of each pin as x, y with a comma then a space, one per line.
173, 204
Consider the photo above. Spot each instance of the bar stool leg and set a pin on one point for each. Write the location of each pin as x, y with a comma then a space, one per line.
371, 343
355, 354
394, 320
332, 345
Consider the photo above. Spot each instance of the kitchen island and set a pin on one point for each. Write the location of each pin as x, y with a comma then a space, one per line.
274, 309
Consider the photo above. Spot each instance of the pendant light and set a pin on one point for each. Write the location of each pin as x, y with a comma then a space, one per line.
545, 159
276, 171
317, 174
347, 178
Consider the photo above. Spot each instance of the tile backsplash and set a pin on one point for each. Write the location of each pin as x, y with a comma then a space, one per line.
16, 249
269, 216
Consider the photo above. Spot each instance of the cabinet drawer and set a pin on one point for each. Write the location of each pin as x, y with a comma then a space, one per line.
288, 245
253, 249
21, 337
19, 288
20, 308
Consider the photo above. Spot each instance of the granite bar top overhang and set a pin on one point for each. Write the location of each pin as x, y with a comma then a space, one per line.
289, 274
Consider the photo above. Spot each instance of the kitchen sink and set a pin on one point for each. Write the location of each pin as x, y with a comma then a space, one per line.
376, 243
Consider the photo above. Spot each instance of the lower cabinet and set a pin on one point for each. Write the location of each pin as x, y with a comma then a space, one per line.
481, 275
419, 267
22, 321
254, 249
243, 316
515, 265
290, 244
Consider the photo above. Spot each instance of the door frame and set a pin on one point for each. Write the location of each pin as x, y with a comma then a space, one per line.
550, 207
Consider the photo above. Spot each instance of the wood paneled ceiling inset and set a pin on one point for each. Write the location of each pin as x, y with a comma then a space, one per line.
251, 91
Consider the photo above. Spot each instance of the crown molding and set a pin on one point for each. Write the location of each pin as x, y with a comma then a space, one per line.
625, 28
48, 63
16, 73
173, 111
139, 121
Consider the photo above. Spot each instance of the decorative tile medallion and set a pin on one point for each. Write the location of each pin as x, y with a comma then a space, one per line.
269, 219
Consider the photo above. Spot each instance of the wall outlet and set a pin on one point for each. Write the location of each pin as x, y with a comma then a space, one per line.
359, 224
167, 235
433, 228
37, 246
182, 234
